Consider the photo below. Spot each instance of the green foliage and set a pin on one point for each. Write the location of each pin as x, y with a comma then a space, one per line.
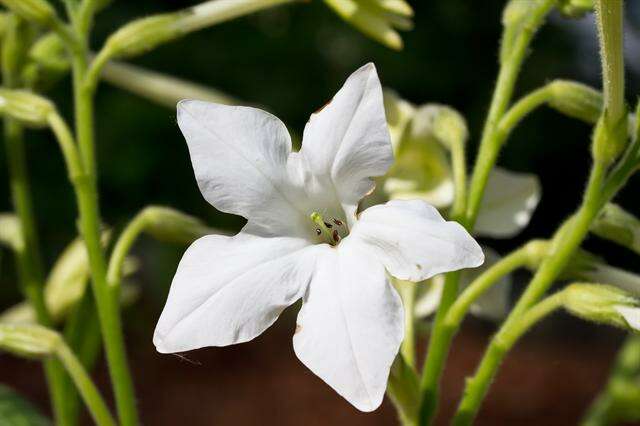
15, 410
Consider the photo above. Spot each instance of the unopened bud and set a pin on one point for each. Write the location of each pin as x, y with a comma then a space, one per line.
170, 225
617, 225
144, 34
576, 100
50, 52
24, 106
31, 341
514, 17
536, 251
601, 303
38, 11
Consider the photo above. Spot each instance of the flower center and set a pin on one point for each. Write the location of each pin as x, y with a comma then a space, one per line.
330, 230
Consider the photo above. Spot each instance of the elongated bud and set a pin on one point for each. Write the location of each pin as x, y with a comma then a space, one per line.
618, 225
38, 11
49, 51
31, 341
600, 303
376, 18
10, 234
536, 251
514, 17
24, 106
170, 225
609, 138
142, 35
576, 100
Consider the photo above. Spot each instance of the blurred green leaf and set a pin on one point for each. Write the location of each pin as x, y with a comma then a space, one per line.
17, 411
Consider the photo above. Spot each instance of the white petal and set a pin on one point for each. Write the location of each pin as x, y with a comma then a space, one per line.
350, 325
230, 289
631, 316
508, 204
414, 242
347, 142
239, 156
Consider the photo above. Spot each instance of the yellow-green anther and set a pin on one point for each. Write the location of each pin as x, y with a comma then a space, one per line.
38, 11
576, 100
323, 229
24, 106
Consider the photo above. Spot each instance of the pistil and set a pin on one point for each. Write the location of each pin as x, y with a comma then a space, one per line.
326, 229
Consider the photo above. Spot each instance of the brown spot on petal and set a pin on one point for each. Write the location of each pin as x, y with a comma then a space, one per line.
323, 106
298, 329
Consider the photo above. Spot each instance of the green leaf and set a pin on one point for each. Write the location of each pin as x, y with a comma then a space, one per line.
17, 411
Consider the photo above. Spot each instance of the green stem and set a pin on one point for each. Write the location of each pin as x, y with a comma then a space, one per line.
459, 163
492, 139
439, 343
122, 247
29, 260
96, 405
107, 302
610, 34
564, 244
500, 345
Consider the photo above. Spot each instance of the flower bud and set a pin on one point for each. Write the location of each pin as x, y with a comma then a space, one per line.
170, 225
38, 11
609, 139
576, 100
144, 34
376, 18
24, 106
10, 234
617, 225
31, 341
603, 304
49, 52
514, 16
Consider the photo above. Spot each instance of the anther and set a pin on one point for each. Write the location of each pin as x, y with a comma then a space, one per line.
318, 231
328, 225
337, 222
335, 235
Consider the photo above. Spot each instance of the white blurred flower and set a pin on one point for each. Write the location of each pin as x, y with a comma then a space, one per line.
304, 240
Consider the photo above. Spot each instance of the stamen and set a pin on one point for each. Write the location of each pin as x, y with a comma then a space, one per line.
335, 236
328, 225
321, 226
318, 231
337, 222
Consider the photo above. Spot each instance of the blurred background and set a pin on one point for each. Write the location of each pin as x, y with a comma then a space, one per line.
291, 60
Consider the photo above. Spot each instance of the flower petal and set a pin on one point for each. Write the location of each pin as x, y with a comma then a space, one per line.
631, 316
508, 203
414, 242
230, 289
347, 142
239, 156
350, 325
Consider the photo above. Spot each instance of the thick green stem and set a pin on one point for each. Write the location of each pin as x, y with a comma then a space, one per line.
439, 343
499, 347
492, 139
89, 222
90, 394
29, 260
610, 34
564, 244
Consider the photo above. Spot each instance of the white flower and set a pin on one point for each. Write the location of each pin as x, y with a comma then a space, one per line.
304, 240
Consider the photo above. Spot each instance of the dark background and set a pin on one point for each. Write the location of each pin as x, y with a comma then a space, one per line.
292, 60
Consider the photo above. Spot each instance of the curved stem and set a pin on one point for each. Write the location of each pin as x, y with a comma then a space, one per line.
564, 244
121, 249
491, 139
90, 394
493, 358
